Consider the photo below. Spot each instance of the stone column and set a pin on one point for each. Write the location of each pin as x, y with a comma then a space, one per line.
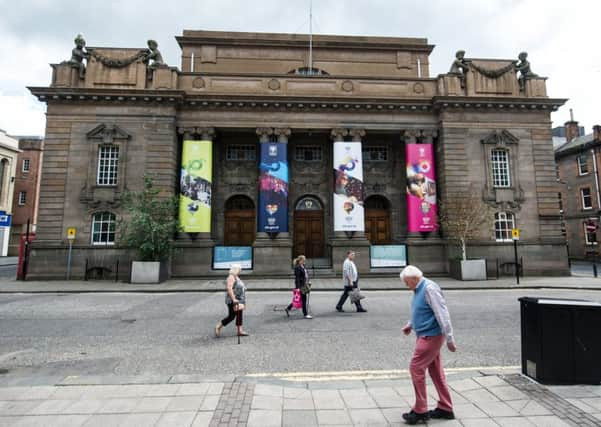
356, 241
194, 251
272, 252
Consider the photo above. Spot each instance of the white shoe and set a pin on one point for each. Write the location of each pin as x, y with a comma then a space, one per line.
308, 316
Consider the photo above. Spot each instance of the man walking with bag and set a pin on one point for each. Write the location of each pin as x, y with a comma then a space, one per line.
350, 280
431, 322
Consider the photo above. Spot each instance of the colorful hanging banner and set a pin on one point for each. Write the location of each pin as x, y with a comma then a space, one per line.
273, 188
422, 208
195, 186
349, 214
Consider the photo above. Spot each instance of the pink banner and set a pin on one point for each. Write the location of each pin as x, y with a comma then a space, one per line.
421, 188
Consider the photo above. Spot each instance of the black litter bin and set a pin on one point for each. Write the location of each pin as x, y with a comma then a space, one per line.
561, 340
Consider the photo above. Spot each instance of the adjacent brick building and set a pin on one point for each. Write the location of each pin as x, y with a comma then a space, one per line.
27, 189
578, 162
243, 92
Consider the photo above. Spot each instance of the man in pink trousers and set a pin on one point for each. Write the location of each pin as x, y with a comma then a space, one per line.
431, 322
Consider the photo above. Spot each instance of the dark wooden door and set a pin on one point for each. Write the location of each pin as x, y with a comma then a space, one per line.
377, 226
308, 234
239, 229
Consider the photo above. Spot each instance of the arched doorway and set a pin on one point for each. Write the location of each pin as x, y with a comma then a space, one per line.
239, 228
377, 220
308, 228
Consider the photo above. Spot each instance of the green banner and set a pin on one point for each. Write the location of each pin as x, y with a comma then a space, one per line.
195, 186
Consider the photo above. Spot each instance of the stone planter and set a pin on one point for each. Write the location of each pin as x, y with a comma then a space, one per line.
471, 269
149, 271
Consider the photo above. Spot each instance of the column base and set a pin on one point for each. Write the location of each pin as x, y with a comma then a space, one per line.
358, 243
272, 255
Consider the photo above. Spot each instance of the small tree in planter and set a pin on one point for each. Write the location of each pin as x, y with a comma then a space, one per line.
462, 219
149, 228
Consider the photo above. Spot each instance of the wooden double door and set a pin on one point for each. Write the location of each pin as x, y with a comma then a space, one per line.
308, 233
239, 227
377, 226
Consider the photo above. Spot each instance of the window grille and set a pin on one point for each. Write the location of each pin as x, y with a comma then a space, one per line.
241, 152
103, 228
108, 164
504, 223
500, 168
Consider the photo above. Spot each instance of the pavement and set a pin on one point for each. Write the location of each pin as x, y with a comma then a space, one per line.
481, 397
391, 282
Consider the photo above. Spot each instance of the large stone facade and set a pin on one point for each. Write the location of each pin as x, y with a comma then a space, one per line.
243, 89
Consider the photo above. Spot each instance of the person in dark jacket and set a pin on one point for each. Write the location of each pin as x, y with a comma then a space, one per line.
301, 277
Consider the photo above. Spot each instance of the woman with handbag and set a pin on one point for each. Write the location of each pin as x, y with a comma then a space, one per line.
301, 282
235, 299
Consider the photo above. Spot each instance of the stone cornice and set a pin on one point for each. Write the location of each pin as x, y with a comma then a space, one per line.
50, 94
309, 103
496, 103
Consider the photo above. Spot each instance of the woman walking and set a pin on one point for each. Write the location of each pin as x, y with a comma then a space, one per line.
301, 281
235, 299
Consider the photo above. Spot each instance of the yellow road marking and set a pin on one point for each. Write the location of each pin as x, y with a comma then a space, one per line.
364, 375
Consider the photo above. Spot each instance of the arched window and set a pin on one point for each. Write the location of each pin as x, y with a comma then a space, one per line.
103, 228
504, 223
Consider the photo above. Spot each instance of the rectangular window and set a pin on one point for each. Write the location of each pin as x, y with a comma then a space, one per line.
22, 198
590, 235
308, 153
241, 152
587, 199
375, 154
103, 228
582, 165
108, 165
26, 163
499, 160
504, 223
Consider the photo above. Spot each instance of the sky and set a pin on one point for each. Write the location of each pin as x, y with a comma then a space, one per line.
561, 37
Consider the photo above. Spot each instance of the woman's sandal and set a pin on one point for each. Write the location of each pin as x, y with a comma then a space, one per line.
218, 330
242, 334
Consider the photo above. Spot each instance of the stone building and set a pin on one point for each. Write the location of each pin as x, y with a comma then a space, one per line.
345, 122
578, 162
27, 190
9, 149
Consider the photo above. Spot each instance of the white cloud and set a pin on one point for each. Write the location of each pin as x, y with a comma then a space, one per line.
560, 37
22, 115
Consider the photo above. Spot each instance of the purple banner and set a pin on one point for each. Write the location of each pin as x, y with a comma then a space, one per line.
273, 188
422, 209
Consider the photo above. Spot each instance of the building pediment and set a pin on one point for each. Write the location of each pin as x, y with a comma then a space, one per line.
500, 138
107, 133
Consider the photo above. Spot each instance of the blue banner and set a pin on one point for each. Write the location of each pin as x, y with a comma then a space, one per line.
273, 188
225, 256
388, 256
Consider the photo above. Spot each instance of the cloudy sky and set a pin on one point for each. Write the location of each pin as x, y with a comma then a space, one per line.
561, 37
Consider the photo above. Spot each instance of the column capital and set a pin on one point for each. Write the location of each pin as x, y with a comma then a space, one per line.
427, 136
206, 133
357, 134
282, 134
264, 134
409, 136
186, 131
338, 134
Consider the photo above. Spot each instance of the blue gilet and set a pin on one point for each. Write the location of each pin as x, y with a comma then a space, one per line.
423, 321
